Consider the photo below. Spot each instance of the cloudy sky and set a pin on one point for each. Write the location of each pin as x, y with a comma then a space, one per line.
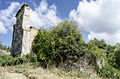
98, 18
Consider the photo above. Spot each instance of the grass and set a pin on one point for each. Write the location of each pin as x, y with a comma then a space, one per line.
28, 71
31, 71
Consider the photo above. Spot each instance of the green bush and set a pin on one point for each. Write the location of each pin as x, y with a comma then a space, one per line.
62, 43
6, 60
10, 61
109, 72
33, 58
43, 46
68, 41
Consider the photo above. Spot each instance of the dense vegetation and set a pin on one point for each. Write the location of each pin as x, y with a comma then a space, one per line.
63, 43
11, 61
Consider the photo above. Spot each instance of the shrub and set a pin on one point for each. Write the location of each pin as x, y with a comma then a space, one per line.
62, 43
33, 58
6, 60
43, 46
109, 72
10, 61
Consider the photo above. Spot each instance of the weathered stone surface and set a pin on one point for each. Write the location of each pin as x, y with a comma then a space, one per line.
23, 34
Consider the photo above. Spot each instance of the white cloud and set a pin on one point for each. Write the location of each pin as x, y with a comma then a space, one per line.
2, 28
44, 16
7, 17
101, 18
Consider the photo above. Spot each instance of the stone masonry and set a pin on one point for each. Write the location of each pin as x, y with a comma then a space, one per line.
23, 34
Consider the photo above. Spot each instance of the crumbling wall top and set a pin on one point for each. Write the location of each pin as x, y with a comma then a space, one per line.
21, 9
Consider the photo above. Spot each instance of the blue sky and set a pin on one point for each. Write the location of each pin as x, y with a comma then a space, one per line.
63, 9
98, 18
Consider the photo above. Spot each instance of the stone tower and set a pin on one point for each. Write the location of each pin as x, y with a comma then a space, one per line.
23, 34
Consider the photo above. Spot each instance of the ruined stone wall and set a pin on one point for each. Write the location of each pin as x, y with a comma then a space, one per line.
17, 37
23, 34
33, 33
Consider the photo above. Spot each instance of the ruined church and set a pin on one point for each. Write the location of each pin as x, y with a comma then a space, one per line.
23, 34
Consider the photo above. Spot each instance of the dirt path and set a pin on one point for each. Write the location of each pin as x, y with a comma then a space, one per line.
7, 75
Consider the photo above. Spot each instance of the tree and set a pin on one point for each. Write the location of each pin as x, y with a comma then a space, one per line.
62, 43
43, 46
99, 43
68, 41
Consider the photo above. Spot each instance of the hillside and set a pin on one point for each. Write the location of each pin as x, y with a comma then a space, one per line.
30, 72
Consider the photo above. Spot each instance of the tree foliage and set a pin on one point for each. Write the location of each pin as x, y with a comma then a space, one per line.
43, 46
63, 42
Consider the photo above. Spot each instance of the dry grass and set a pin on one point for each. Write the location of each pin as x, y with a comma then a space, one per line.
3, 53
30, 72
26, 71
